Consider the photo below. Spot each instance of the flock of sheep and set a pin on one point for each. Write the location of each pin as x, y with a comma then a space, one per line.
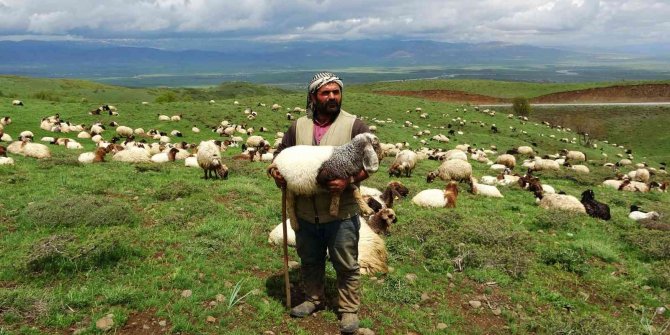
304, 176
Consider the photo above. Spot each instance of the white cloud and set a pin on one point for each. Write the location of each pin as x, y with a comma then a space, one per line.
519, 21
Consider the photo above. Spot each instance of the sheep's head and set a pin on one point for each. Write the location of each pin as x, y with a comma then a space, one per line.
431, 176
398, 189
222, 171
385, 218
371, 150
588, 195
394, 170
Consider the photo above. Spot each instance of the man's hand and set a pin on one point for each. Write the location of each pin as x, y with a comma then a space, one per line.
363, 175
279, 180
337, 185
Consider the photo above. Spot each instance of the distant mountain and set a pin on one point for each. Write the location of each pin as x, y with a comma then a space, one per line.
97, 59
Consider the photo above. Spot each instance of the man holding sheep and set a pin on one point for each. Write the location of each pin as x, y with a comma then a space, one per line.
318, 231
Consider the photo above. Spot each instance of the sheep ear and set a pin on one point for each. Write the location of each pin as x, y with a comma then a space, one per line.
370, 159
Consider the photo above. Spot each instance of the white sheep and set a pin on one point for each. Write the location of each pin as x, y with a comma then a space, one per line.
209, 159
307, 169
637, 214
454, 169
6, 161
404, 163
545, 164
29, 149
574, 155
132, 155
580, 168
456, 154
485, 190
507, 160
124, 131
175, 117
162, 117
437, 198
17, 103
525, 150
561, 201
641, 175
164, 157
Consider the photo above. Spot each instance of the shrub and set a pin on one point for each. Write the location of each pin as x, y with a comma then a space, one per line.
554, 219
399, 291
168, 96
175, 190
85, 210
45, 95
521, 106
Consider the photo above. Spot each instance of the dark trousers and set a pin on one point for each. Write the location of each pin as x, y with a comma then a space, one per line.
340, 238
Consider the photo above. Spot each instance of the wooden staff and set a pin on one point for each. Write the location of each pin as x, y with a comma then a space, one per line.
287, 283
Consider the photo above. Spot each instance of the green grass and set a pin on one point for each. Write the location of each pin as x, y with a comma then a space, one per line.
82, 241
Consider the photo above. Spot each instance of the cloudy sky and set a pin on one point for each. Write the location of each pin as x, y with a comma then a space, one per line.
598, 23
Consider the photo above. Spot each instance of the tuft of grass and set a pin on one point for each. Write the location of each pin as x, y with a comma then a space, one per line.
174, 190
564, 258
86, 210
67, 253
660, 275
555, 219
398, 290
653, 244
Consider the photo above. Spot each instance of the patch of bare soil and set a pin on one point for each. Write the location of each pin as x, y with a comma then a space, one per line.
144, 323
627, 93
619, 93
447, 96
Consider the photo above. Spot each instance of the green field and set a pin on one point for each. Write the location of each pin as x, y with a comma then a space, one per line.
79, 242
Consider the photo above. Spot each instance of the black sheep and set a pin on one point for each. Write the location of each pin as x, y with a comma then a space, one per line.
593, 207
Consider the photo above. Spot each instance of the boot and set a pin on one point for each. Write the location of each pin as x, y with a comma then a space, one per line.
305, 309
349, 323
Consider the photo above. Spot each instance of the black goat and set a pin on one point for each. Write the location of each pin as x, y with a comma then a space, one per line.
593, 207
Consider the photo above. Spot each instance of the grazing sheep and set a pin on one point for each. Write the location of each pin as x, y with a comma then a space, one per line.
560, 201
162, 117
124, 131
577, 156
17, 103
307, 168
454, 169
507, 160
525, 150
637, 214
541, 164
438, 198
485, 190
404, 163
5, 120
176, 117
593, 207
209, 159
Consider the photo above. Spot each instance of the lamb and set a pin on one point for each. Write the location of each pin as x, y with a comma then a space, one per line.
195, 129
26, 135
209, 159
506, 159
6, 160
560, 201
176, 117
593, 207
164, 157
637, 214
485, 190
372, 254
454, 169
94, 157
404, 162
305, 168
162, 117
438, 198
377, 200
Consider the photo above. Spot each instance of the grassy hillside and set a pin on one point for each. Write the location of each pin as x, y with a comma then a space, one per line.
79, 242
500, 89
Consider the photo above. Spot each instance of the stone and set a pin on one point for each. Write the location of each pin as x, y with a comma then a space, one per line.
450, 276
162, 323
365, 331
391, 269
220, 297
475, 303
425, 296
213, 303
268, 332
105, 323
293, 265
186, 293
79, 331
441, 326
411, 278
211, 319
497, 311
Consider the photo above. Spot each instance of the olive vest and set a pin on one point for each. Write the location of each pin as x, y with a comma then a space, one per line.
316, 208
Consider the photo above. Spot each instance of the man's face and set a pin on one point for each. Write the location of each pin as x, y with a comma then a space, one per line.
328, 99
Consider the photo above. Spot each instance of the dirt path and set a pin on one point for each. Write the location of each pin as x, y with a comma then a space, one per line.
620, 93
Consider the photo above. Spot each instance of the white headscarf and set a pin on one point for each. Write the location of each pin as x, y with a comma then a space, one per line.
319, 80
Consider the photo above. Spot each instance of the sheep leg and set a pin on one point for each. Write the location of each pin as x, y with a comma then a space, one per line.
290, 209
205, 173
335, 203
365, 209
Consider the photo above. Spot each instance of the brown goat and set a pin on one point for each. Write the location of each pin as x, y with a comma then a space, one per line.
3, 151
451, 193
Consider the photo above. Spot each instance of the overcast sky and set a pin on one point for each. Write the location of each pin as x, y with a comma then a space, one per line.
599, 23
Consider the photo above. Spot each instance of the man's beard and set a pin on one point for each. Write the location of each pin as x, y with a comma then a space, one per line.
330, 108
